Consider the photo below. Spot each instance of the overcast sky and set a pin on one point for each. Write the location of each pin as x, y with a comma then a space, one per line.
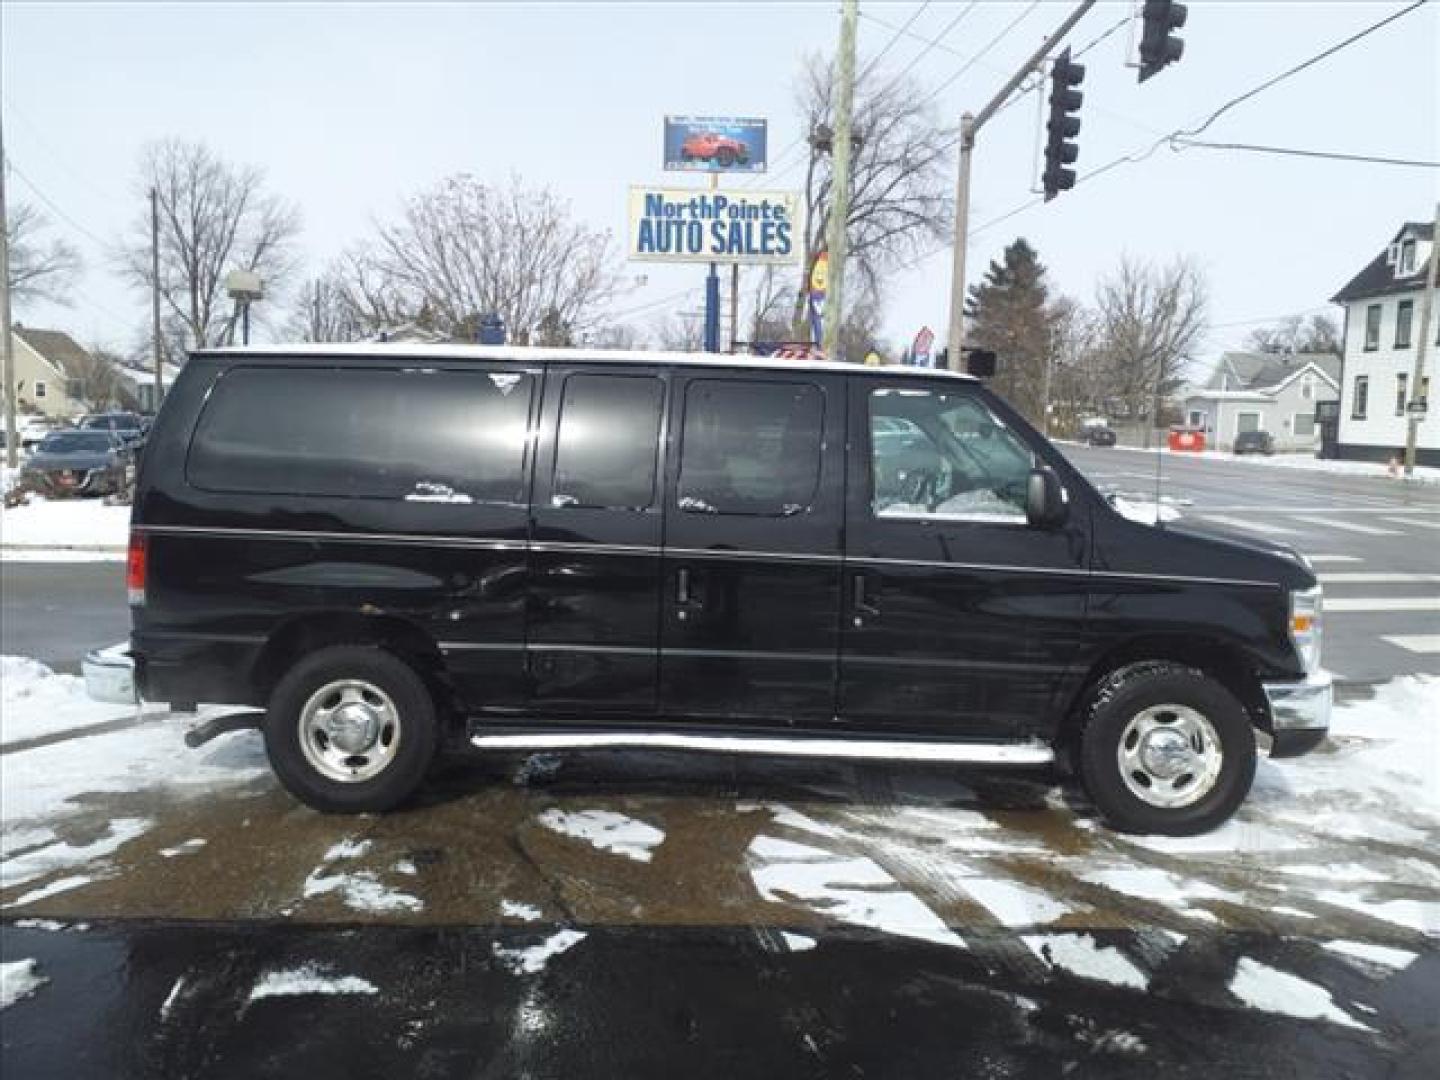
349, 108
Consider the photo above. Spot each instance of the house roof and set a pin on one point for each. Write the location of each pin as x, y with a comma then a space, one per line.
1266, 371
1379, 278
58, 348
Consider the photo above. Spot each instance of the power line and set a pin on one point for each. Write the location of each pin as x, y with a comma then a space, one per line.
1331, 51
35, 190
981, 54
896, 36
648, 305
1179, 143
1123, 21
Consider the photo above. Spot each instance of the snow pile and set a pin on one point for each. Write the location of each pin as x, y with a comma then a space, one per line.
86, 524
308, 979
1262, 987
606, 830
848, 889
45, 781
18, 979
35, 701
532, 960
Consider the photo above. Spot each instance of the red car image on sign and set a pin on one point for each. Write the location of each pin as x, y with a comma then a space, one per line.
710, 146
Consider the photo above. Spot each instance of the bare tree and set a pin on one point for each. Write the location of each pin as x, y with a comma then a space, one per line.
463, 250
679, 332
1296, 334
40, 269
1151, 320
96, 381
769, 307
325, 311
899, 181
214, 217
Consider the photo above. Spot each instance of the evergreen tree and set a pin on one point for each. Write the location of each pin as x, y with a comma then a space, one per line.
1010, 313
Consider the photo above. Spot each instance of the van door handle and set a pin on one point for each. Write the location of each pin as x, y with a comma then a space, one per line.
684, 594
860, 596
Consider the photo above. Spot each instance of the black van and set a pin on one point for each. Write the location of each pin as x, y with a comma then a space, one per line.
388, 547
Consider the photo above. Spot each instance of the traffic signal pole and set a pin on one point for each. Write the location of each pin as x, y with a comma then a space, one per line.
970, 127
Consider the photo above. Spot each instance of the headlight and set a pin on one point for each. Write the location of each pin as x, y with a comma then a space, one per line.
1306, 609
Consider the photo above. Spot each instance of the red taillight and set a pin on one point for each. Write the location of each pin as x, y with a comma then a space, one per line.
135, 569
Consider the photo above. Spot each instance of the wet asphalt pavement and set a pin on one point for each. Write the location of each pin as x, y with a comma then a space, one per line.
180, 1000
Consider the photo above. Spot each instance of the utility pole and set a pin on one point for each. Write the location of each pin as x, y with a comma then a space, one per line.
155, 296
840, 163
1417, 377
734, 304
7, 355
970, 127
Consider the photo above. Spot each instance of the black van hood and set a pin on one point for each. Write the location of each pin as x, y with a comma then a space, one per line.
1188, 547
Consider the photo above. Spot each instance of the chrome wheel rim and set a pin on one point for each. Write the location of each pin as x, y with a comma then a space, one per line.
349, 731
1169, 756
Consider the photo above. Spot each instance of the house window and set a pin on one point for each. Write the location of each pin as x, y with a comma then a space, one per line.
1307, 388
1407, 258
1360, 401
39, 389
1303, 425
1400, 381
1404, 314
1196, 419
1247, 421
1372, 327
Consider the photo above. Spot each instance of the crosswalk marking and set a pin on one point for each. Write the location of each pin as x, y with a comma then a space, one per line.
1252, 526
1413, 521
1349, 526
1366, 578
1416, 643
1333, 558
1340, 604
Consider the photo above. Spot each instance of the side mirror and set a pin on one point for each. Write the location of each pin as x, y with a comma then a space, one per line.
1045, 505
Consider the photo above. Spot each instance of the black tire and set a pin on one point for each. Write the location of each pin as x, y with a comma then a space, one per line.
1125, 694
414, 740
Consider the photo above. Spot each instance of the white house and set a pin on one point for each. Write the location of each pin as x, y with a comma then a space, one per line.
1274, 392
1382, 328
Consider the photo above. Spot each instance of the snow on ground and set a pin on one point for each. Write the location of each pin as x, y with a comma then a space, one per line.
1143, 511
1081, 955
606, 830
359, 889
18, 979
34, 701
1269, 990
308, 979
532, 960
44, 526
43, 783
1425, 474
513, 910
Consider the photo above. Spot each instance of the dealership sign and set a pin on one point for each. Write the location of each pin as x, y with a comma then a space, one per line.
689, 225
714, 144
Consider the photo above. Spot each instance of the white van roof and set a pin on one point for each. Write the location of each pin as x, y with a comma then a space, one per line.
522, 354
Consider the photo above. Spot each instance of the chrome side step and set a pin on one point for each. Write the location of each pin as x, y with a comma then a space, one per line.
1016, 753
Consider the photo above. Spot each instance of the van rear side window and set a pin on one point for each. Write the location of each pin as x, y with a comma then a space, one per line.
416, 434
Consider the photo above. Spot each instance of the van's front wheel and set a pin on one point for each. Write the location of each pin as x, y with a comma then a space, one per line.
351, 729
1166, 749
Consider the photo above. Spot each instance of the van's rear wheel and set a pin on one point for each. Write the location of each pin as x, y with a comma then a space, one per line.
1166, 749
351, 729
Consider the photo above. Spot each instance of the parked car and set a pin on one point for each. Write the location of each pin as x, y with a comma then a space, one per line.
1099, 436
129, 426
390, 547
712, 146
70, 463
1254, 442
31, 431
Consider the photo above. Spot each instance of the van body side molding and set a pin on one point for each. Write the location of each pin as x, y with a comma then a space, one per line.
864, 749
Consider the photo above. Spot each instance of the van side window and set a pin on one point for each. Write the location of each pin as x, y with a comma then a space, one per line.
415, 434
750, 447
944, 457
608, 440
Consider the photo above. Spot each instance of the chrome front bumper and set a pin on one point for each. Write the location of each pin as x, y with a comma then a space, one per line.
1300, 712
110, 675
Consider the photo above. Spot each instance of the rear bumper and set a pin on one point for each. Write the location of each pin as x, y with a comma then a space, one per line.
110, 675
1300, 713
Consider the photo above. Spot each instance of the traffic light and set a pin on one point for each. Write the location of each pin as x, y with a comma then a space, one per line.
1158, 46
1063, 125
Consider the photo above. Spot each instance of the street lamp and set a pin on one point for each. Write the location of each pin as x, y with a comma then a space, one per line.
244, 287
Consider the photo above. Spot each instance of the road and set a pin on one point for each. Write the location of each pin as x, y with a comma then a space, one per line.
1375, 543
54, 612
